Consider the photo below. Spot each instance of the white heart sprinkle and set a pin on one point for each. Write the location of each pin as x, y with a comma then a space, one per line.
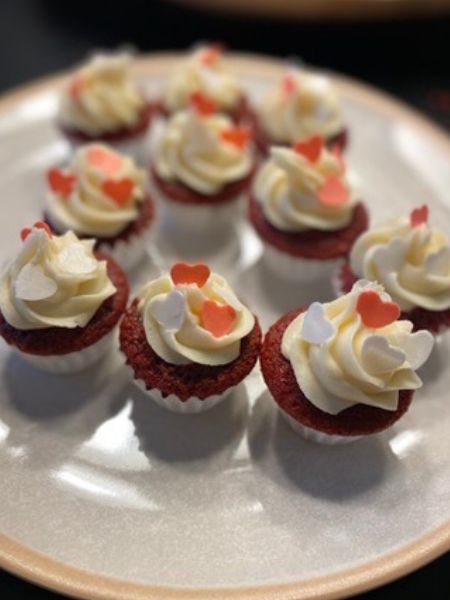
316, 327
416, 346
33, 284
169, 311
390, 257
438, 263
74, 259
378, 356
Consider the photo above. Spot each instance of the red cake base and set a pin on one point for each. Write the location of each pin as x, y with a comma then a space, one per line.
178, 192
122, 135
312, 244
420, 317
183, 380
60, 340
144, 219
280, 379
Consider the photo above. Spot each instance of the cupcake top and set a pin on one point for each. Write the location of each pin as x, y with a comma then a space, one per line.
100, 97
193, 316
202, 150
55, 281
354, 351
202, 71
305, 187
410, 258
301, 105
98, 194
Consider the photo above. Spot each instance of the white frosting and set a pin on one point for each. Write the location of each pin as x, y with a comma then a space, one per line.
412, 263
356, 364
89, 210
287, 185
101, 97
309, 105
177, 334
191, 150
54, 282
209, 77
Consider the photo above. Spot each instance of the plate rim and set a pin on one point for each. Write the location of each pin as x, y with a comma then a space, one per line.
48, 572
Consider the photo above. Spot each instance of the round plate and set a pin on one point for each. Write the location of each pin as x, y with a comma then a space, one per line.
104, 495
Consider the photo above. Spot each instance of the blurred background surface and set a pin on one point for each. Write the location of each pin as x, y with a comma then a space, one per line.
401, 46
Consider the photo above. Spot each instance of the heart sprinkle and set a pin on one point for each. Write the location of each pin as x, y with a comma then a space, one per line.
374, 311
316, 327
61, 182
333, 192
210, 55
170, 311
419, 215
106, 161
38, 225
190, 274
217, 319
203, 105
310, 148
119, 190
32, 284
237, 136
288, 85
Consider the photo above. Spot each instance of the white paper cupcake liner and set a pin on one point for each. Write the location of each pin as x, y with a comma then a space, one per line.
72, 362
128, 253
296, 269
336, 283
191, 406
313, 435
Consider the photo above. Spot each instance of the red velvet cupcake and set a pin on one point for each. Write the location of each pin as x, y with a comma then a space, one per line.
411, 259
60, 302
188, 340
202, 167
302, 104
103, 194
345, 369
100, 102
205, 72
304, 206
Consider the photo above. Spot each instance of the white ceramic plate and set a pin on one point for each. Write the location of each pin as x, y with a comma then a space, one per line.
104, 495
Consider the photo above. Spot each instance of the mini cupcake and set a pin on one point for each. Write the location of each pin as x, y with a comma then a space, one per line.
60, 301
188, 339
204, 71
344, 369
412, 261
100, 102
304, 207
202, 167
102, 194
302, 104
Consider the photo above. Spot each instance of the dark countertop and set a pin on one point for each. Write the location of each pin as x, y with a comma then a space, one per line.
408, 59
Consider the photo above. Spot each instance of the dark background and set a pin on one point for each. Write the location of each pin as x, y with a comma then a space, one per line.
410, 59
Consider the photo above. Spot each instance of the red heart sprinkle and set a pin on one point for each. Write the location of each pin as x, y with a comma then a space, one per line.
238, 136
310, 148
119, 190
60, 182
374, 311
107, 161
184, 273
202, 104
38, 225
211, 54
75, 86
25, 233
419, 216
217, 319
288, 85
333, 192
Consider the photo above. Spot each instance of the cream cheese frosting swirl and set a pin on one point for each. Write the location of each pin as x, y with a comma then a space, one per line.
356, 364
411, 261
105, 194
173, 322
101, 97
302, 105
202, 71
287, 189
192, 150
54, 282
